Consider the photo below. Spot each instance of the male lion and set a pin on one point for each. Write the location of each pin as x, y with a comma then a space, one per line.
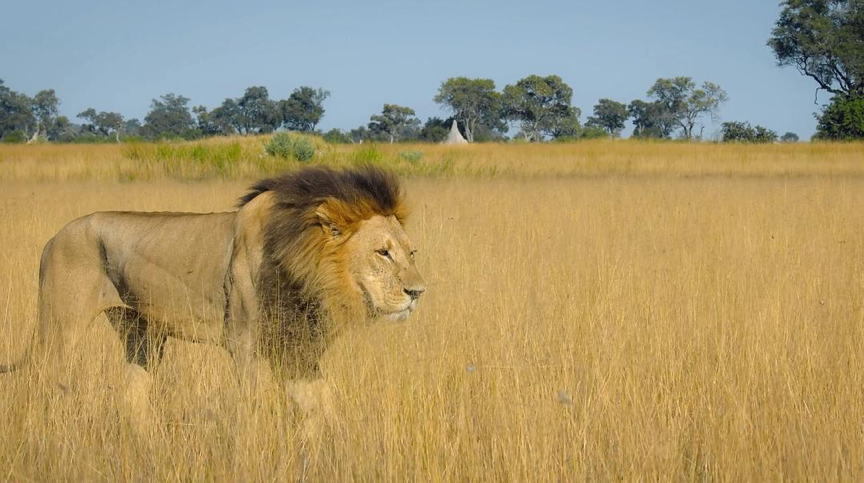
305, 255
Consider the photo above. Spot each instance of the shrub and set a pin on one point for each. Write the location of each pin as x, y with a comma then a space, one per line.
280, 145
304, 150
744, 132
15, 137
284, 145
411, 156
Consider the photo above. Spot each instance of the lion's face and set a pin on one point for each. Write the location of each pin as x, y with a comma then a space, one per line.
381, 263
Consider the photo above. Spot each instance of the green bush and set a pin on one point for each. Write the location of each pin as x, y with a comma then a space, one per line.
15, 137
284, 145
280, 145
304, 150
411, 156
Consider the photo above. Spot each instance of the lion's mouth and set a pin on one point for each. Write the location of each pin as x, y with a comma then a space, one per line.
403, 313
400, 315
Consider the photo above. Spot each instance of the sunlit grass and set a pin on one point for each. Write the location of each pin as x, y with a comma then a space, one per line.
596, 311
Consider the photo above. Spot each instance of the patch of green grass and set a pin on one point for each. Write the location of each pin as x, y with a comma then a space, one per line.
193, 160
245, 158
411, 156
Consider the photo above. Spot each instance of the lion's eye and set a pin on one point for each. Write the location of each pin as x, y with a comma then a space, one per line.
384, 253
413, 252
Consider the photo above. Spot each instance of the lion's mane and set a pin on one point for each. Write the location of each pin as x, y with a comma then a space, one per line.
303, 281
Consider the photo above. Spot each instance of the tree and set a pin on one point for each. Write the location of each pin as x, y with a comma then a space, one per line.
435, 130
90, 115
593, 132
609, 115
114, 121
61, 129
16, 114
650, 120
736, 131
823, 40
45, 107
359, 135
789, 137
685, 104
474, 103
169, 116
204, 121
226, 118
539, 105
764, 135
394, 122
256, 113
843, 119
303, 110
743, 132
132, 127
336, 136
103, 123
215, 123
568, 127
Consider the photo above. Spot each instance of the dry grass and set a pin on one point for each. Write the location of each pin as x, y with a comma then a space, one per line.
668, 325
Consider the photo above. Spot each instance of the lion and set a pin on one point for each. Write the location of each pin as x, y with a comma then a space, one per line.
305, 255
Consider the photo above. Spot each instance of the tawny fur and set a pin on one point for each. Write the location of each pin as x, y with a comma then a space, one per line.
298, 261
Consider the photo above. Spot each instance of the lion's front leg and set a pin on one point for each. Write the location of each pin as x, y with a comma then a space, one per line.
243, 344
243, 338
314, 399
315, 402
243, 314
136, 406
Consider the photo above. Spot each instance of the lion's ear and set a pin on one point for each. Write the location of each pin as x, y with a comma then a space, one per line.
332, 230
329, 220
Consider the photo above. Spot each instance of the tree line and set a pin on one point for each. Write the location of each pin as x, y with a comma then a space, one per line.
23, 118
822, 39
539, 107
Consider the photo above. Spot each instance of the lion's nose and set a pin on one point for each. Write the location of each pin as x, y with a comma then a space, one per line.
415, 292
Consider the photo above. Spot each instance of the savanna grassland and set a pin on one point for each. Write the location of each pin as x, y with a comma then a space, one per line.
595, 311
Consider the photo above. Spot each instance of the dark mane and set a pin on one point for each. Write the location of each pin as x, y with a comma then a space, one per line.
311, 186
303, 273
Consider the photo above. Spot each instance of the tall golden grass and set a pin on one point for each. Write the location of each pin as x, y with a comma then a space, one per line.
599, 311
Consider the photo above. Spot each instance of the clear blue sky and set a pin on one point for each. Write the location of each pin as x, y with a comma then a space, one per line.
117, 56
